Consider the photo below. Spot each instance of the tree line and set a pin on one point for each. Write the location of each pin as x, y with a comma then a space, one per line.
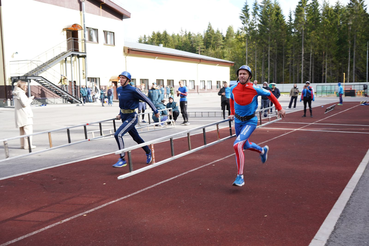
316, 43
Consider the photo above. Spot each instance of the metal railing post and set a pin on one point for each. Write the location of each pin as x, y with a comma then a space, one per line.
29, 144
100, 127
204, 135
189, 141
171, 147
114, 125
68, 133
130, 161
85, 130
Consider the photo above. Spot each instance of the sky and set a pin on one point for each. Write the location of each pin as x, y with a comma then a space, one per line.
174, 16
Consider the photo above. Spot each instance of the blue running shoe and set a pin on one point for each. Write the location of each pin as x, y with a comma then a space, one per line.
148, 158
239, 181
120, 163
264, 157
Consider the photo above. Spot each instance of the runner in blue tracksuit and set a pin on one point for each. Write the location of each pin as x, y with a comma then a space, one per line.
244, 103
129, 98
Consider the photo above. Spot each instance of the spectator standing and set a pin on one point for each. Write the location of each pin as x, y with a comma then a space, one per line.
224, 94
307, 95
167, 91
276, 93
102, 96
83, 92
142, 104
340, 94
265, 99
23, 113
110, 95
294, 93
173, 114
89, 92
182, 93
162, 93
172, 91
154, 94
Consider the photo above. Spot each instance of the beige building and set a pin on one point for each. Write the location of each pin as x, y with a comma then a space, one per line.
63, 44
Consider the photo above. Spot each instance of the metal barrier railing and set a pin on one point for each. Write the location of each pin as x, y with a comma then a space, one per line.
190, 150
97, 127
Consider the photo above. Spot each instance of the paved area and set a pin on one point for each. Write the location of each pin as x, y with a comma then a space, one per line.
350, 229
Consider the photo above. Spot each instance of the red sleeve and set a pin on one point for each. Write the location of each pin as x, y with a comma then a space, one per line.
231, 104
275, 101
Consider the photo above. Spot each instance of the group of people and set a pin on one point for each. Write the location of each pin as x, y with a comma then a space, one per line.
103, 93
240, 100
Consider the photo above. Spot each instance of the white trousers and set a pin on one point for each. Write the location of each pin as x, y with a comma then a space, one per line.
25, 130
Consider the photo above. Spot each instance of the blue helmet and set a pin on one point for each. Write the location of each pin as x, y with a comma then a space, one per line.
126, 74
245, 67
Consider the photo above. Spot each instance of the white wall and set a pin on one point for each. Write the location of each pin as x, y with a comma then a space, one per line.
32, 28
152, 68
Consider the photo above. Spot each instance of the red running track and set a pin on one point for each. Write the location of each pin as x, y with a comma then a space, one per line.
191, 201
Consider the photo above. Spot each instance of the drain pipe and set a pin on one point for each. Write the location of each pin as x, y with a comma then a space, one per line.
85, 38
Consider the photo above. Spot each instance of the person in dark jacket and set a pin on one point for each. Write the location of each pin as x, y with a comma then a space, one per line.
265, 99
225, 93
154, 94
276, 93
307, 95
174, 113
129, 98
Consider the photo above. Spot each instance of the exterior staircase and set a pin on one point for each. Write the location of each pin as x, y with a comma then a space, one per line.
34, 74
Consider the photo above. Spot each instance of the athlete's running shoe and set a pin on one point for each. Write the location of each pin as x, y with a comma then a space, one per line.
239, 181
148, 158
264, 156
120, 163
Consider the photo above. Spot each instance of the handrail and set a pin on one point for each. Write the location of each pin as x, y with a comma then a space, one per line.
48, 132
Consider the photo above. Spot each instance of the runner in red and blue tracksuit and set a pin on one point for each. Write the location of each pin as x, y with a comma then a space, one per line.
244, 103
129, 98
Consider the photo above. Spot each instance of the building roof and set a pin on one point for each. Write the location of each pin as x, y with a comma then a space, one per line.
159, 51
112, 4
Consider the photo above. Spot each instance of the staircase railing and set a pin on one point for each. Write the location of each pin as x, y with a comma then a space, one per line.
19, 68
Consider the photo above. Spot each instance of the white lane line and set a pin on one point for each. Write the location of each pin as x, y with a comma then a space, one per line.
312, 130
111, 202
326, 229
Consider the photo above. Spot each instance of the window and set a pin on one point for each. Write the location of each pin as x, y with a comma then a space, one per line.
170, 82
202, 84
184, 82
92, 35
219, 85
109, 38
134, 82
146, 83
191, 84
159, 82
208, 85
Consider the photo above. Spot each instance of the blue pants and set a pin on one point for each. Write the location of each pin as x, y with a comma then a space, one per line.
341, 101
128, 125
243, 133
